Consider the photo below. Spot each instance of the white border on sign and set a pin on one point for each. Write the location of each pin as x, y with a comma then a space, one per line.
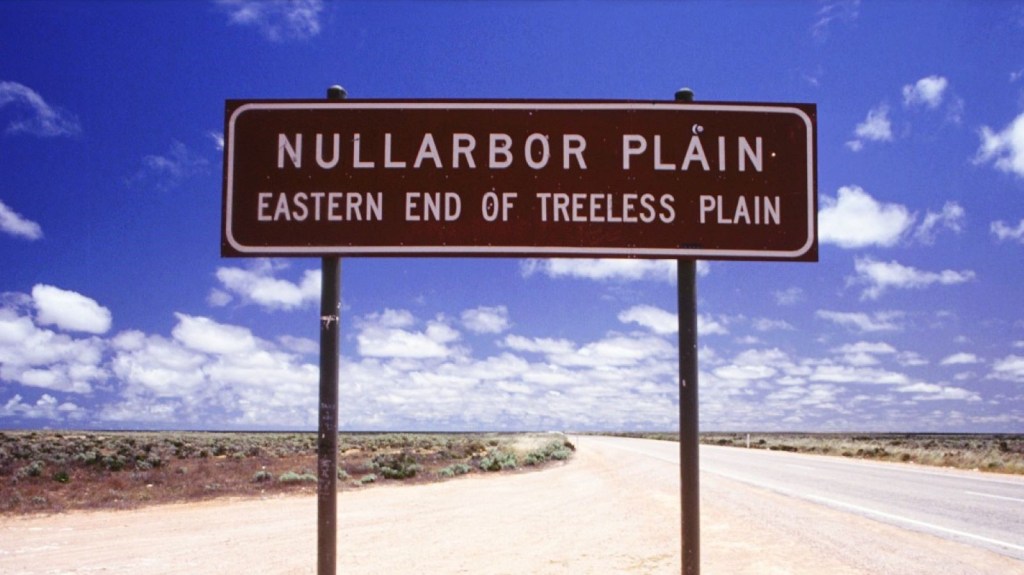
483, 251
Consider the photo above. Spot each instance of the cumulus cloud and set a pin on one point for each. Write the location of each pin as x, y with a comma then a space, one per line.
875, 128
1003, 232
46, 407
854, 219
486, 319
878, 321
258, 285
602, 269
927, 91
1010, 368
1004, 149
169, 170
33, 115
392, 334
69, 310
276, 20
950, 218
17, 225
789, 296
209, 371
655, 319
961, 358
34, 356
882, 276
864, 353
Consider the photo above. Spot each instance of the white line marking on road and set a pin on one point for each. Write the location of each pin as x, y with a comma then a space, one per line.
922, 524
1003, 497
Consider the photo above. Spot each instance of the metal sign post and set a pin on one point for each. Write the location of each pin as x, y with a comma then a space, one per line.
689, 438
327, 436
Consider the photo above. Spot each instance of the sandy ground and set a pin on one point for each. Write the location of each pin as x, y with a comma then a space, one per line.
608, 511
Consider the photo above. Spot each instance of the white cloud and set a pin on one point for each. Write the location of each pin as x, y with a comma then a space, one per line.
875, 128
542, 345
961, 358
42, 119
765, 324
15, 224
277, 20
927, 91
933, 392
863, 353
1003, 232
486, 319
259, 286
1003, 149
38, 357
205, 335
789, 296
708, 325
856, 220
881, 276
835, 373
655, 319
387, 335
217, 138
168, 171
951, 218
69, 310
843, 11
1010, 368
209, 372
602, 269
47, 407
879, 321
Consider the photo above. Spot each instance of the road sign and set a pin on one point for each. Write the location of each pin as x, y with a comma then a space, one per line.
520, 178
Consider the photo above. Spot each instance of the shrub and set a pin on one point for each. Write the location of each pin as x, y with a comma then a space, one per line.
453, 470
368, 478
262, 476
498, 459
395, 466
292, 477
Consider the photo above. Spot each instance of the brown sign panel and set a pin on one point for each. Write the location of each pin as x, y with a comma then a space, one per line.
515, 178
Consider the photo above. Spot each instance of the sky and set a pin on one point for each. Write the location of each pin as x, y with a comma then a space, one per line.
117, 310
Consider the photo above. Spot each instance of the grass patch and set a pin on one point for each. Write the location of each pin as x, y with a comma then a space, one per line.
51, 472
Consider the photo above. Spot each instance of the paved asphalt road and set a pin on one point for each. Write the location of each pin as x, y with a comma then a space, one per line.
983, 510
979, 509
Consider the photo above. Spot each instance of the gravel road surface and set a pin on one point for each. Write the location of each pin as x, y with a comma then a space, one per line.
613, 509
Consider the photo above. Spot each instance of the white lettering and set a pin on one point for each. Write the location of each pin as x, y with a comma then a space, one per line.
695, 152
501, 144
658, 164
335, 156
632, 145
356, 161
263, 203
463, 145
428, 149
573, 145
388, 162
746, 152
545, 151
284, 146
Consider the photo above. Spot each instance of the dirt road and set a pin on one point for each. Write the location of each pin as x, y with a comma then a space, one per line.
608, 511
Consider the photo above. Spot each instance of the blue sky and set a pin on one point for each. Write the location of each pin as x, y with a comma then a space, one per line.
117, 311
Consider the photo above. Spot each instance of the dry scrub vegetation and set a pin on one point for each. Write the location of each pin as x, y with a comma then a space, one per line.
47, 472
1001, 453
